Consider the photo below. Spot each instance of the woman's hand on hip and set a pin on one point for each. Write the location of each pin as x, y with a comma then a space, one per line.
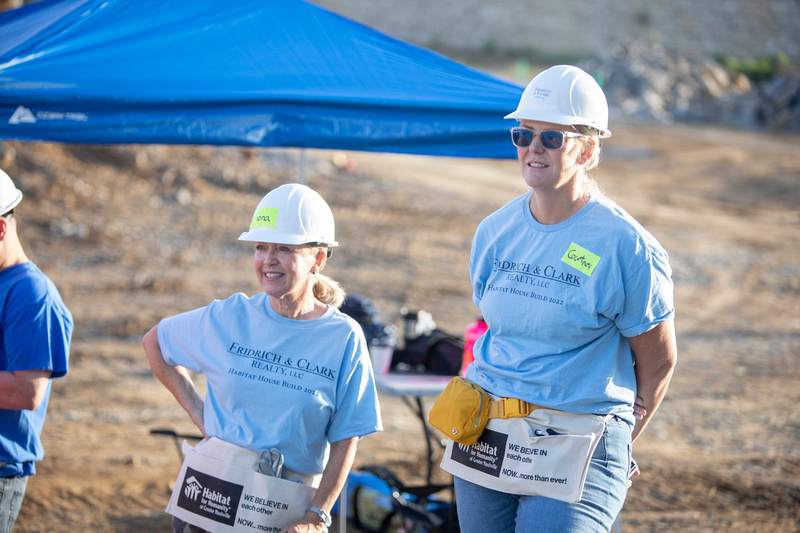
306, 525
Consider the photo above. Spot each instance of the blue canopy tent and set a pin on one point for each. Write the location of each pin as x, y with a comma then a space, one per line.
251, 72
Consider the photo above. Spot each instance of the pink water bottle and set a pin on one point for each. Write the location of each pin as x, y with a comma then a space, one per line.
473, 332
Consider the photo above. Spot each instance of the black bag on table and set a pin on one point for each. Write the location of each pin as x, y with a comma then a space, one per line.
364, 311
435, 352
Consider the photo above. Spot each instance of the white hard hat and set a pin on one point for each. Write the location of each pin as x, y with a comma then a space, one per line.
567, 95
9, 194
292, 214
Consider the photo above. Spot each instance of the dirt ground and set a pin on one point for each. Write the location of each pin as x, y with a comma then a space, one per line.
131, 234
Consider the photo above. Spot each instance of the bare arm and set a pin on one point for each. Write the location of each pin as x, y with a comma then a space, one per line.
656, 354
175, 378
23, 389
340, 461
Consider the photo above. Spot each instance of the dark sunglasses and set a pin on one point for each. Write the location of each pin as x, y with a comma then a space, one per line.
551, 139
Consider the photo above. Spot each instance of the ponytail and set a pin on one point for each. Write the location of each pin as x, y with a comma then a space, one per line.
328, 291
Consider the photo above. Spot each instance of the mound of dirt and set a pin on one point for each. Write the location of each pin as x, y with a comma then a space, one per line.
131, 234
645, 81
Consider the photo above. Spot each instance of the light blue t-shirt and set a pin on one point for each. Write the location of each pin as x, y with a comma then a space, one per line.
560, 301
295, 385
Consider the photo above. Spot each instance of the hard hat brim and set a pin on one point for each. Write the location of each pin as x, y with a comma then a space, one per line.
11, 204
269, 235
554, 118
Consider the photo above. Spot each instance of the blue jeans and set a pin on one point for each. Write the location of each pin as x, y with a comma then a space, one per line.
179, 526
481, 509
12, 491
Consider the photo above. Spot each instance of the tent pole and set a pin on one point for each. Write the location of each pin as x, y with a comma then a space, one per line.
302, 177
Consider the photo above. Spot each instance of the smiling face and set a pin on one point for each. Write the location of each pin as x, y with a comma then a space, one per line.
544, 169
286, 272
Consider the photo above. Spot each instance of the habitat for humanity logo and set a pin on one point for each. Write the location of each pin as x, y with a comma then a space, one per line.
210, 497
486, 455
23, 115
193, 488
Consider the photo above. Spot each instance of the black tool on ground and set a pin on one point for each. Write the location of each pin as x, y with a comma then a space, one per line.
176, 438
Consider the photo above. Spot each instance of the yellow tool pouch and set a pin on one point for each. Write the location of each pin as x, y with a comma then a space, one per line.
463, 409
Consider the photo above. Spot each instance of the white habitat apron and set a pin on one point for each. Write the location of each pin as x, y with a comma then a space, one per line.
546, 453
220, 489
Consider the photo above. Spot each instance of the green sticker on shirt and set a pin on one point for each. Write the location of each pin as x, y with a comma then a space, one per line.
581, 259
264, 217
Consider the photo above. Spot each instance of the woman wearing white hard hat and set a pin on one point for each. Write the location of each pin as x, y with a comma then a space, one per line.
578, 299
287, 373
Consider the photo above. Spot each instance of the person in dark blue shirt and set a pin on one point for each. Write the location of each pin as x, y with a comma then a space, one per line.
35, 334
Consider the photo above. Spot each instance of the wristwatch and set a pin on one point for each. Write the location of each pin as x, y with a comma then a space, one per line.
325, 517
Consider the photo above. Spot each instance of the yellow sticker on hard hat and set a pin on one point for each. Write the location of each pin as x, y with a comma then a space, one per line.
581, 259
264, 217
